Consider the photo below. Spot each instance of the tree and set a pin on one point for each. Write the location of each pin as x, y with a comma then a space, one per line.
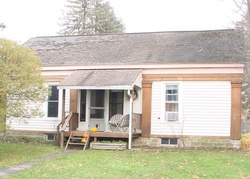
90, 17
2, 26
21, 84
244, 28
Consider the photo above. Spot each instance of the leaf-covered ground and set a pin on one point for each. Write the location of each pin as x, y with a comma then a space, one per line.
144, 164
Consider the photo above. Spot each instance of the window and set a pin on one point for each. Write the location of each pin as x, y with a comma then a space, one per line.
53, 102
169, 141
97, 104
50, 137
83, 106
171, 103
115, 102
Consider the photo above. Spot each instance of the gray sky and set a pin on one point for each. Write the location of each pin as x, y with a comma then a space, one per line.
30, 18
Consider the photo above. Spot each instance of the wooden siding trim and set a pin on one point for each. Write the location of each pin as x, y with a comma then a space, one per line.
54, 78
141, 66
235, 131
234, 78
146, 108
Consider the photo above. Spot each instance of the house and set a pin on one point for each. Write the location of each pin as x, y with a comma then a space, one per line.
179, 88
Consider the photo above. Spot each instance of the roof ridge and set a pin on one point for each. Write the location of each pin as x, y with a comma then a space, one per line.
135, 33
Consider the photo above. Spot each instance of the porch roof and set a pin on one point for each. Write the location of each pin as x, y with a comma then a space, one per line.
102, 79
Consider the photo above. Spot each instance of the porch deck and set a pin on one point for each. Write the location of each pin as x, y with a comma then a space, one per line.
124, 135
71, 121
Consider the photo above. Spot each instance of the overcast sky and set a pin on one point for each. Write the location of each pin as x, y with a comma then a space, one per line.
30, 18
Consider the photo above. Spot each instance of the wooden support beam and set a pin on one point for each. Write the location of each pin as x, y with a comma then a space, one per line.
235, 133
73, 100
146, 108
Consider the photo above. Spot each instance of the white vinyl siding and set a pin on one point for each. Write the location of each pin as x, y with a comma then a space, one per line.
39, 123
205, 109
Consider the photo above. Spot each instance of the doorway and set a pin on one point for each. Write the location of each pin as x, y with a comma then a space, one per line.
97, 109
116, 99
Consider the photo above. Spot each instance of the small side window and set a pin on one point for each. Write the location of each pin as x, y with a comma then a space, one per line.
171, 103
50, 137
169, 141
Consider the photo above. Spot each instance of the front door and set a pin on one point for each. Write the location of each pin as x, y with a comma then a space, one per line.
97, 109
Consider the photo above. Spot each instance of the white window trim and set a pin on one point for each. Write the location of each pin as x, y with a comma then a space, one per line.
47, 100
180, 94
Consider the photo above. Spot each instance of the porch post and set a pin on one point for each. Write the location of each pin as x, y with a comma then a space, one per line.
235, 132
146, 108
60, 104
61, 111
130, 121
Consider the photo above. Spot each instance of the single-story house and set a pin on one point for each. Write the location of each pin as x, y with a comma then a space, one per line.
178, 88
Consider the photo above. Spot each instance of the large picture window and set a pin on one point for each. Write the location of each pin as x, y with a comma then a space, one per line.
171, 103
53, 102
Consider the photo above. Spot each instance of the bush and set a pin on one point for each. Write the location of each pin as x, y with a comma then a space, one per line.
245, 141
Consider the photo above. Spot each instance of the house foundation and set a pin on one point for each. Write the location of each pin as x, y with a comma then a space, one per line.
188, 142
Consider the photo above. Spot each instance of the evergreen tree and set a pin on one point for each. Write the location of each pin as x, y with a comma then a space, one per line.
2, 26
90, 17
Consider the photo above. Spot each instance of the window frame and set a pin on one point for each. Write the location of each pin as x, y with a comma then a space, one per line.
169, 143
50, 86
164, 88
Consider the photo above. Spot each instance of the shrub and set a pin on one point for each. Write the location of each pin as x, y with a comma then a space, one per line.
245, 141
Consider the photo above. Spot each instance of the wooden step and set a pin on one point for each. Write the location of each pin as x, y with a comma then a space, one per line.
74, 140
75, 143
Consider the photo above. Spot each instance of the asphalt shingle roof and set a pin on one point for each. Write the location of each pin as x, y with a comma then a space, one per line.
216, 46
101, 78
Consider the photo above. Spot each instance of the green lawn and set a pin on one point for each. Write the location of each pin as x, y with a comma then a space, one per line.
142, 164
11, 154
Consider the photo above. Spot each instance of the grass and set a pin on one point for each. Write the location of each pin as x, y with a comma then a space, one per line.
144, 164
11, 154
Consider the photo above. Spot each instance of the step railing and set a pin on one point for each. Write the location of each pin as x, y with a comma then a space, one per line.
61, 127
66, 122
70, 123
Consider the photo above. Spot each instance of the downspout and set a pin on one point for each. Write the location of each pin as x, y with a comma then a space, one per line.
130, 120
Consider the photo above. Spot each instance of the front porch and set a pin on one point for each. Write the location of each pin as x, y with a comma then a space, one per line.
96, 97
69, 128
